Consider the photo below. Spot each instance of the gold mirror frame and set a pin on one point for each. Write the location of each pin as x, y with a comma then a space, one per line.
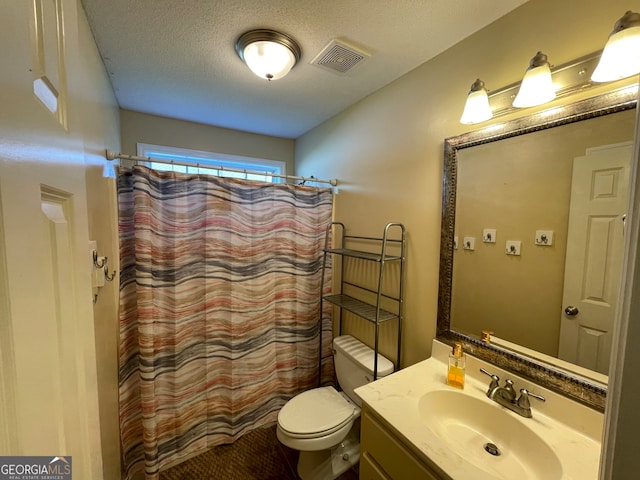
554, 378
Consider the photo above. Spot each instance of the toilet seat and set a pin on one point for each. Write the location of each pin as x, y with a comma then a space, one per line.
317, 412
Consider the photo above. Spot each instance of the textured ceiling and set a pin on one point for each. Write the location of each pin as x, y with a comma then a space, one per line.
176, 58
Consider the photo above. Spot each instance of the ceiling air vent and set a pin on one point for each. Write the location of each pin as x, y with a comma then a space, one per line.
339, 57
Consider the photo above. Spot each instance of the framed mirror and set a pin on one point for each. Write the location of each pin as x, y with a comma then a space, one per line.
524, 254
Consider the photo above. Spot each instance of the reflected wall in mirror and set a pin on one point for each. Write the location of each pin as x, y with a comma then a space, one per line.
523, 185
546, 178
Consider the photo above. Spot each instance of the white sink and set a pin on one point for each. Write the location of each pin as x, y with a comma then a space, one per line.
478, 430
448, 428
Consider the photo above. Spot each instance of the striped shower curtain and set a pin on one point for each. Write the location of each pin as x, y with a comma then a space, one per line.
219, 309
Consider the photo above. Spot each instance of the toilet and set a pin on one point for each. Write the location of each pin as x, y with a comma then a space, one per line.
324, 424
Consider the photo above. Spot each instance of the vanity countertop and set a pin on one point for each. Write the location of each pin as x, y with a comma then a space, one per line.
573, 431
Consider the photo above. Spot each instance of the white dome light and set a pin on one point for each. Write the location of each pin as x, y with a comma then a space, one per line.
269, 54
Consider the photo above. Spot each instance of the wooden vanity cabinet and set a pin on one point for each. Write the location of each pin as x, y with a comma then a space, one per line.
385, 457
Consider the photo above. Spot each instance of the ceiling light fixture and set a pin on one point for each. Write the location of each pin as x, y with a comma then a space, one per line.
477, 108
536, 87
269, 54
621, 55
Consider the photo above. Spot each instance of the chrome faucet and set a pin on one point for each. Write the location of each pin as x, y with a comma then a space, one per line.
506, 396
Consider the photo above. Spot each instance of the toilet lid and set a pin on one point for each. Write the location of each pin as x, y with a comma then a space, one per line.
315, 411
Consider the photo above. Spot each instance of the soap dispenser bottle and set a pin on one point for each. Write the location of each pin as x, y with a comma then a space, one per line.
455, 376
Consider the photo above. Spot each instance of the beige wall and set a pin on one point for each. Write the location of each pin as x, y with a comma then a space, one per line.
517, 186
387, 150
143, 128
52, 352
101, 131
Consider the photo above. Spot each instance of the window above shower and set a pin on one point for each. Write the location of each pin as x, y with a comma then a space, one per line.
211, 163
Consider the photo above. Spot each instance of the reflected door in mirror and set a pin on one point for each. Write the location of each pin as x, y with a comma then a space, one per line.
599, 199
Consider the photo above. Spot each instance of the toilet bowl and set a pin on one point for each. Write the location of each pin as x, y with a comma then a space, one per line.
323, 423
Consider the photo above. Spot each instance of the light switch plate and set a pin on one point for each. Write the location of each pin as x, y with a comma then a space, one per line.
513, 247
469, 243
489, 235
544, 238
455, 242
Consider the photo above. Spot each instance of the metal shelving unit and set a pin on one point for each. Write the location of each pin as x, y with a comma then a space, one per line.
390, 248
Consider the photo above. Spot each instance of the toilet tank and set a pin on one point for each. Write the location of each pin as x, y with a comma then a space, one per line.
353, 362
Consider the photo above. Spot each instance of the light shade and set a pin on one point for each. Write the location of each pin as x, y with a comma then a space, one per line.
269, 54
537, 86
621, 55
477, 108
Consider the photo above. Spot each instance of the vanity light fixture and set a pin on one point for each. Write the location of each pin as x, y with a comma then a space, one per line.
620, 59
269, 54
567, 79
477, 108
537, 86
621, 55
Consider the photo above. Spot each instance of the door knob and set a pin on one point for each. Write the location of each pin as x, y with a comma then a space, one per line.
571, 311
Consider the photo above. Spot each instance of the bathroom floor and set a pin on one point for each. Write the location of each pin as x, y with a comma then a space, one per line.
258, 455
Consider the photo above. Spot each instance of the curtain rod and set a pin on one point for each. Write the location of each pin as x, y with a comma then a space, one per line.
110, 155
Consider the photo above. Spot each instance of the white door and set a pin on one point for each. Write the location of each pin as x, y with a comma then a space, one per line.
48, 386
48, 366
599, 198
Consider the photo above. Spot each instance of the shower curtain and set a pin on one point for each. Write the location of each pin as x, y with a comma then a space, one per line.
219, 309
